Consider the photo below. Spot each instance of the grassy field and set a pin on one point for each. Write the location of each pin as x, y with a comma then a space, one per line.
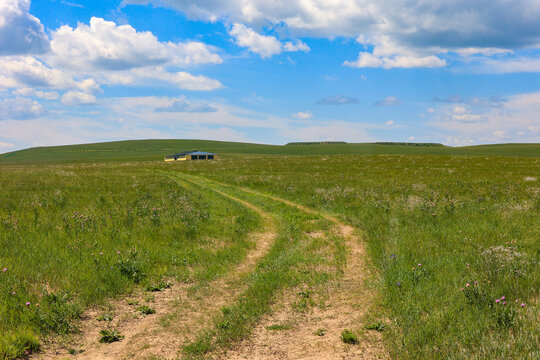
148, 150
453, 243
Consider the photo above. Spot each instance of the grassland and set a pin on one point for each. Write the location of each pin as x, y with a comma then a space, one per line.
452, 243
149, 150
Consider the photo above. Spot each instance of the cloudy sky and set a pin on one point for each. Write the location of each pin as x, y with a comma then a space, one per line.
458, 72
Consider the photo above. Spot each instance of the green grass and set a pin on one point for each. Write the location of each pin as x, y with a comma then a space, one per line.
73, 237
148, 150
432, 224
464, 219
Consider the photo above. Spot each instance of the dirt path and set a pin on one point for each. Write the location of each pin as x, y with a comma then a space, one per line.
349, 302
179, 317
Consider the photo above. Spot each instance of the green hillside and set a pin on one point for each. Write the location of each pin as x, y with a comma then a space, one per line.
144, 150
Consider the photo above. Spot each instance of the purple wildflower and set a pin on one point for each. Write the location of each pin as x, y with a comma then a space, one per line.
498, 301
503, 297
28, 303
4, 269
522, 305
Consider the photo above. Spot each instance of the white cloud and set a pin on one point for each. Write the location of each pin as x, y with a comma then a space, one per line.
388, 54
46, 95
264, 45
103, 45
302, 115
390, 122
511, 123
482, 26
89, 86
185, 105
25, 71
74, 98
20, 32
388, 101
20, 108
102, 52
411, 138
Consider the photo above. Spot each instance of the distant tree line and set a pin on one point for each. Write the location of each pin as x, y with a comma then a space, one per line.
316, 143
410, 144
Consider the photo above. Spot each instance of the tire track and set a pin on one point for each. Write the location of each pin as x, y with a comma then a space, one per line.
350, 301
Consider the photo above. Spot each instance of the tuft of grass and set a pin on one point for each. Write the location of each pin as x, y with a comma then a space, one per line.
109, 336
105, 317
159, 286
146, 310
348, 337
378, 326
320, 332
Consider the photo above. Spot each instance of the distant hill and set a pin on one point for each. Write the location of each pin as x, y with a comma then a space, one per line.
148, 150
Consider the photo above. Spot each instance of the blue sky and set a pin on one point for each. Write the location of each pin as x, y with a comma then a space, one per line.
455, 72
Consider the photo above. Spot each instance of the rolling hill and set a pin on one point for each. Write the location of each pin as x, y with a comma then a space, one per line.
148, 150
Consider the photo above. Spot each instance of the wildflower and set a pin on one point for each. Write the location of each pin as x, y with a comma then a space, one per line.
100, 253
517, 300
37, 305
522, 305
13, 293
419, 265
413, 269
476, 283
398, 283
468, 285
4, 269
503, 297
504, 302
498, 301
462, 289
118, 252
28, 303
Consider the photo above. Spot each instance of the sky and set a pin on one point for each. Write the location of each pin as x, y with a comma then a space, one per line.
456, 72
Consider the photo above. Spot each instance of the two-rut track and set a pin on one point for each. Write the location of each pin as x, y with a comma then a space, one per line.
147, 338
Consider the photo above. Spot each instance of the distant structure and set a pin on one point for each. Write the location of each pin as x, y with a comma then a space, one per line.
191, 155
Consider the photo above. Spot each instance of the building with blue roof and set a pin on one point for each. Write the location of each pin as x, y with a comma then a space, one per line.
191, 155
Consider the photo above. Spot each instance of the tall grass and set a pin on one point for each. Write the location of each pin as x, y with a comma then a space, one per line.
71, 237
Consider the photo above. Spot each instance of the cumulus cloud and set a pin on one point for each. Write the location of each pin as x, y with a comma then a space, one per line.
20, 32
490, 24
29, 72
20, 108
104, 45
424, 30
83, 58
264, 45
75, 98
388, 101
337, 100
464, 124
390, 122
185, 105
46, 95
303, 115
